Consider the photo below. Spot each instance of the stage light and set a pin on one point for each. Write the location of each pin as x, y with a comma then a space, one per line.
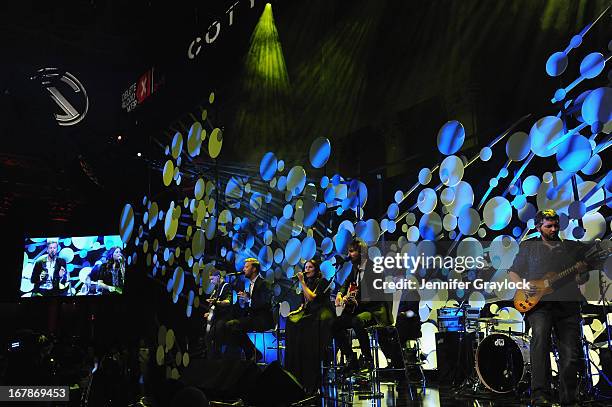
119, 138
139, 154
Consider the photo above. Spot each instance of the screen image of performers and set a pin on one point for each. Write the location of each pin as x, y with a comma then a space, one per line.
557, 312
257, 300
308, 329
366, 312
218, 313
49, 275
109, 276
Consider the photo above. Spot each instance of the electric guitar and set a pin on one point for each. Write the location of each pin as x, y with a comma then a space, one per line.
349, 302
525, 300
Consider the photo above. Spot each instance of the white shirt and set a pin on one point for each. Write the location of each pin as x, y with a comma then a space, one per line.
251, 288
48, 283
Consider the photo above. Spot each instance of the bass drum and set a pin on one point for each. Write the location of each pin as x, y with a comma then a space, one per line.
502, 362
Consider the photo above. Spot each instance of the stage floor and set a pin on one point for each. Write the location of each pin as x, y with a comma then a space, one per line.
393, 395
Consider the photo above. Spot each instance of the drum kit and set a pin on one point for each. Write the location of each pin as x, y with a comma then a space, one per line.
501, 356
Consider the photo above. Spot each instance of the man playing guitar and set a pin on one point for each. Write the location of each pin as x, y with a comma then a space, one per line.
359, 312
558, 310
219, 311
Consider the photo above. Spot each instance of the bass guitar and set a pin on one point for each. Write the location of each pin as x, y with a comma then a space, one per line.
525, 300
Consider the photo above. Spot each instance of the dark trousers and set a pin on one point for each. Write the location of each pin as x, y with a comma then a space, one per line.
214, 338
359, 321
566, 326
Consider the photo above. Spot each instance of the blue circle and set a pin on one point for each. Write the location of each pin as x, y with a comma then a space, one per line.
393, 211
531, 185
597, 106
519, 202
309, 248
327, 245
424, 176
556, 64
578, 232
288, 211
319, 152
560, 94
576, 41
516, 231
486, 153
267, 167
322, 209
493, 182
503, 173
574, 153
451, 137
577, 209
324, 181
592, 65
282, 183
399, 195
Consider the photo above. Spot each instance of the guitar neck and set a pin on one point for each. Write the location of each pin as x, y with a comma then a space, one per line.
564, 273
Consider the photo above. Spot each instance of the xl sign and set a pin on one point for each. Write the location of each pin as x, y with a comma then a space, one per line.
213, 31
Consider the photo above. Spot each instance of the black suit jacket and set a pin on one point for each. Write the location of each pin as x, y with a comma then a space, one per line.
261, 304
369, 298
40, 265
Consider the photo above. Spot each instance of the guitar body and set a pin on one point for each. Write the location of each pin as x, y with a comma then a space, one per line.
524, 301
350, 301
210, 318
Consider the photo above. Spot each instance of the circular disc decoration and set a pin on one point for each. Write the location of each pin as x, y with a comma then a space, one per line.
319, 152
198, 243
574, 153
194, 139
126, 223
168, 173
518, 146
430, 226
283, 229
469, 221
266, 257
296, 180
597, 106
267, 166
556, 64
215, 142
543, 133
171, 221
368, 231
497, 213
327, 245
451, 170
531, 185
593, 166
177, 145
309, 248
464, 196
342, 240
451, 137
427, 200
311, 211
292, 251
592, 65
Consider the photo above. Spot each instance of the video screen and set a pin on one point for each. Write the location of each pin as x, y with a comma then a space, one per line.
73, 266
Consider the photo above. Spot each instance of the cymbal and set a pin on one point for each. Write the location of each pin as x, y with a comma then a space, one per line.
589, 316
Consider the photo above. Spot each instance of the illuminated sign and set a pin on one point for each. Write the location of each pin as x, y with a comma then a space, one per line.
67, 93
213, 31
141, 90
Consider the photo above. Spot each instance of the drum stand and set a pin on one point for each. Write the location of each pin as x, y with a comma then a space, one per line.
471, 384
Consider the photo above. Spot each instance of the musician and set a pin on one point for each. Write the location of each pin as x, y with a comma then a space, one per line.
308, 329
221, 299
49, 275
367, 312
109, 276
258, 311
558, 311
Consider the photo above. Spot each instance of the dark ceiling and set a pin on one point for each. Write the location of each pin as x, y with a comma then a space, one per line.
390, 71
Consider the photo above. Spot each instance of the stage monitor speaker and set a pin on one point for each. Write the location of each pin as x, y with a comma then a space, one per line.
276, 387
222, 379
455, 355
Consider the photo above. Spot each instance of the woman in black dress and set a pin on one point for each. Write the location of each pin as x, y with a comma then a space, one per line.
308, 328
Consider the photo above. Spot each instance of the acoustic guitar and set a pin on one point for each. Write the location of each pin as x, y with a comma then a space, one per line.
349, 301
525, 300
